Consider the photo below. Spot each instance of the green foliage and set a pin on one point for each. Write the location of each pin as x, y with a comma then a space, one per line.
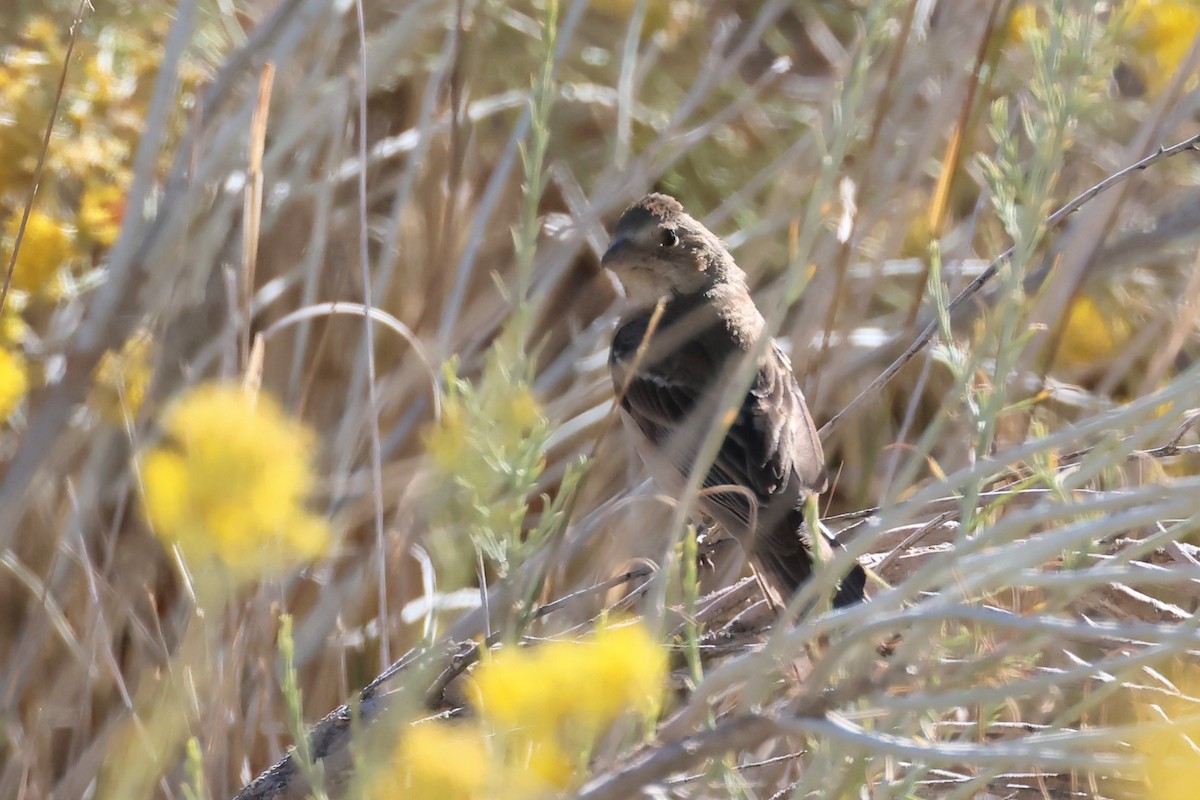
312, 770
487, 450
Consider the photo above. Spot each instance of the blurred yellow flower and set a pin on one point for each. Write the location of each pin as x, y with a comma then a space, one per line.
13, 329
1160, 32
660, 14
229, 482
436, 761
522, 687
1090, 335
43, 32
547, 704
45, 249
122, 379
14, 382
522, 411
1168, 741
446, 440
99, 117
101, 209
1022, 22
573, 688
544, 765
627, 670
92, 153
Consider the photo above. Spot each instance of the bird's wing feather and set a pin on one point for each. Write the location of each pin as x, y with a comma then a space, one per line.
771, 444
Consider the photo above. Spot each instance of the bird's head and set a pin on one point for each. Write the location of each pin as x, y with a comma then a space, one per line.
658, 251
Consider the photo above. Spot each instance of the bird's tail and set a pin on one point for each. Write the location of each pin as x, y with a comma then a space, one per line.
789, 563
852, 589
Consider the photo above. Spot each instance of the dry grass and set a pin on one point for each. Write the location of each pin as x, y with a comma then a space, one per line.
1053, 583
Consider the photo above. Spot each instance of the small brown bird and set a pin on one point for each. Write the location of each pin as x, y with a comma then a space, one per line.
770, 461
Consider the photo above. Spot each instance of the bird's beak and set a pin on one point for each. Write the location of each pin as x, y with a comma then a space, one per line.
613, 254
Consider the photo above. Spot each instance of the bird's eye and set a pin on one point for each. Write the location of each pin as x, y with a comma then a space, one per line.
669, 238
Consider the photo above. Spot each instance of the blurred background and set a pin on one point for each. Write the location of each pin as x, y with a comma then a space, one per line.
228, 183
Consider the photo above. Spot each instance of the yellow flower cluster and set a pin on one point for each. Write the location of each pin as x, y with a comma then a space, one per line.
80, 202
101, 209
1022, 22
1166, 743
1160, 32
542, 709
453, 439
87, 167
46, 247
537, 688
436, 760
14, 382
122, 379
1091, 334
229, 483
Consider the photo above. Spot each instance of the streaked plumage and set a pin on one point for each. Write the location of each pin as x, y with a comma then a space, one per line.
709, 321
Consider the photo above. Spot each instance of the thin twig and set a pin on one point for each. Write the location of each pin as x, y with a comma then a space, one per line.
672, 757
1171, 448
913, 538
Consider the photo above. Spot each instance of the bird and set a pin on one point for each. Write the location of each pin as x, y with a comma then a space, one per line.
688, 325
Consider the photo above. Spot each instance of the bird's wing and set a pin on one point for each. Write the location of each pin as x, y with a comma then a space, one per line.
780, 416
771, 444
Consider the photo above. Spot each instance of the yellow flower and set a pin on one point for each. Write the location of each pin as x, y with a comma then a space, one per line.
13, 329
522, 411
1090, 335
100, 212
14, 382
446, 440
229, 483
122, 379
1167, 746
1022, 22
627, 668
1160, 33
42, 32
45, 248
546, 765
514, 688
545, 706
573, 688
436, 761
91, 153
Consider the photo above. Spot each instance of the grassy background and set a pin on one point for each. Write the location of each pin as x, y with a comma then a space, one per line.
863, 160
